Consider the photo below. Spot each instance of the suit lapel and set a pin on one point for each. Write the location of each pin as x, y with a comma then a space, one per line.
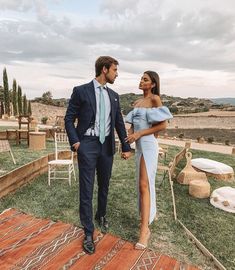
91, 95
112, 101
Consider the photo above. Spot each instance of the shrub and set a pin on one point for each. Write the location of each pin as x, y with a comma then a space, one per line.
227, 142
44, 119
181, 135
210, 139
174, 109
199, 138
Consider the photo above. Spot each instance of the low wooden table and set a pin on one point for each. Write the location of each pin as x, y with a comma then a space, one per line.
37, 140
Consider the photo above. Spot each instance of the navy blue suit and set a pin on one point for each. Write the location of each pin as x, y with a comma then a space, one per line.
92, 155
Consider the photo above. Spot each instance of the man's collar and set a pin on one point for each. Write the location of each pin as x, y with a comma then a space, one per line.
97, 84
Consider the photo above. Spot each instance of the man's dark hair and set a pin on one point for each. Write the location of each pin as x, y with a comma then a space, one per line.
104, 61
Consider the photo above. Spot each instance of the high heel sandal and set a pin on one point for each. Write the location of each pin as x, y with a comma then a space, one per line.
141, 246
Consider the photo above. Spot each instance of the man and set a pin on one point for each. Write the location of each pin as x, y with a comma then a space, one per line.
98, 111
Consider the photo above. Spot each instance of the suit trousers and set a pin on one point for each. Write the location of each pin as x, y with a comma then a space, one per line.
93, 157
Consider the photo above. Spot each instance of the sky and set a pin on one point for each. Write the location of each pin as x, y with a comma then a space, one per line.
53, 45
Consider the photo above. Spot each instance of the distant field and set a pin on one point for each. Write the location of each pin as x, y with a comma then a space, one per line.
220, 135
224, 100
210, 113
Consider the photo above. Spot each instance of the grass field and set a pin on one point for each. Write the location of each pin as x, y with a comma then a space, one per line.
213, 227
22, 155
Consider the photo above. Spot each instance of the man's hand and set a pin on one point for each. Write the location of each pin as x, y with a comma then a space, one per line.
76, 146
126, 155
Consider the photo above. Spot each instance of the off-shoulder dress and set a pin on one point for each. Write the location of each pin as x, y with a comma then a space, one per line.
147, 146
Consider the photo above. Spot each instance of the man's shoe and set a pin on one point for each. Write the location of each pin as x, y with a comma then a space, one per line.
88, 244
103, 224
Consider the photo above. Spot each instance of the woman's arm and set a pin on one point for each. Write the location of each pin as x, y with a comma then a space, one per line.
130, 130
134, 136
154, 129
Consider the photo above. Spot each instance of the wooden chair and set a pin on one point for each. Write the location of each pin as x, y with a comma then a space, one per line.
57, 168
5, 147
170, 171
22, 134
163, 150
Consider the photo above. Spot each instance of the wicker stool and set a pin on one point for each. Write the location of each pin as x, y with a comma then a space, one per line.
199, 189
189, 173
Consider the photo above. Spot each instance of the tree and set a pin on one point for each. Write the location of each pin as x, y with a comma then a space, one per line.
19, 94
6, 92
11, 101
47, 98
29, 108
2, 109
25, 108
1, 101
14, 98
1, 94
174, 109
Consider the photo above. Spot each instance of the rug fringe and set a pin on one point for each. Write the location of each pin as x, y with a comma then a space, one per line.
4, 211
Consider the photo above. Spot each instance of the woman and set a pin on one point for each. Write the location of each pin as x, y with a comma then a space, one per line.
147, 118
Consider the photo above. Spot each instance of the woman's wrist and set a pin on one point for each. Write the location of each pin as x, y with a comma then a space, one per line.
139, 133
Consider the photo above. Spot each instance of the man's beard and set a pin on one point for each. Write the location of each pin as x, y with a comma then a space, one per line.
108, 80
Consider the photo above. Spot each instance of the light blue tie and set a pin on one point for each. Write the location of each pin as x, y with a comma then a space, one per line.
102, 116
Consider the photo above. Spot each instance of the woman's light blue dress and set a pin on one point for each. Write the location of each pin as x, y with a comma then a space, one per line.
147, 146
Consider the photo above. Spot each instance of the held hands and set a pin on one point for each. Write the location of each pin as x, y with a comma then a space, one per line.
133, 137
126, 155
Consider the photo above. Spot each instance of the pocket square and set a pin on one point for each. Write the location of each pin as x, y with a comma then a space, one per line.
115, 99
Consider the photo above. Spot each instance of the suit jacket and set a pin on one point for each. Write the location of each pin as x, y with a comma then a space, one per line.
82, 105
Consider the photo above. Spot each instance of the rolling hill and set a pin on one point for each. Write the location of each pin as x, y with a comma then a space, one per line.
224, 100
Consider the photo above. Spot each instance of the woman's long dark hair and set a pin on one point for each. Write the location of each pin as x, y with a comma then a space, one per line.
155, 79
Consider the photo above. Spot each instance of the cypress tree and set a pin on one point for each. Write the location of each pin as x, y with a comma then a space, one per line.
1, 94
14, 98
1, 101
29, 108
10, 101
20, 109
6, 92
24, 105
2, 109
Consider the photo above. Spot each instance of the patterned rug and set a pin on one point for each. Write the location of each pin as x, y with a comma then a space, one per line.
27, 242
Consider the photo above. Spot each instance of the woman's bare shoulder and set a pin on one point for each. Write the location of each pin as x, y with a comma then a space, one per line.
156, 101
137, 101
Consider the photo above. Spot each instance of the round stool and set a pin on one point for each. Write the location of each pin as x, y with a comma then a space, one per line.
37, 140
199, 189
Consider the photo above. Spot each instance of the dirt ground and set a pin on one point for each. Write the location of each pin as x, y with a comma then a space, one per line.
220, 135
212, 112
199, 146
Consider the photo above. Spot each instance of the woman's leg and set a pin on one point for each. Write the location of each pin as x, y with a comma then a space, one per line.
144, 203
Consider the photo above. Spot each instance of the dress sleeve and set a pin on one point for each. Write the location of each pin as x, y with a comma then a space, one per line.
129, 117
156, 115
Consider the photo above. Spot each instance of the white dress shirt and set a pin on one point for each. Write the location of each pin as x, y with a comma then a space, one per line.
96, 130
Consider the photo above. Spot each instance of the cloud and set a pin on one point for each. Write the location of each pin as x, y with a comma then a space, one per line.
16, 5
181, 35
137, 32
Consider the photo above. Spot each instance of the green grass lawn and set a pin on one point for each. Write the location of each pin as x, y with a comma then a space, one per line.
22, 155
213, 227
